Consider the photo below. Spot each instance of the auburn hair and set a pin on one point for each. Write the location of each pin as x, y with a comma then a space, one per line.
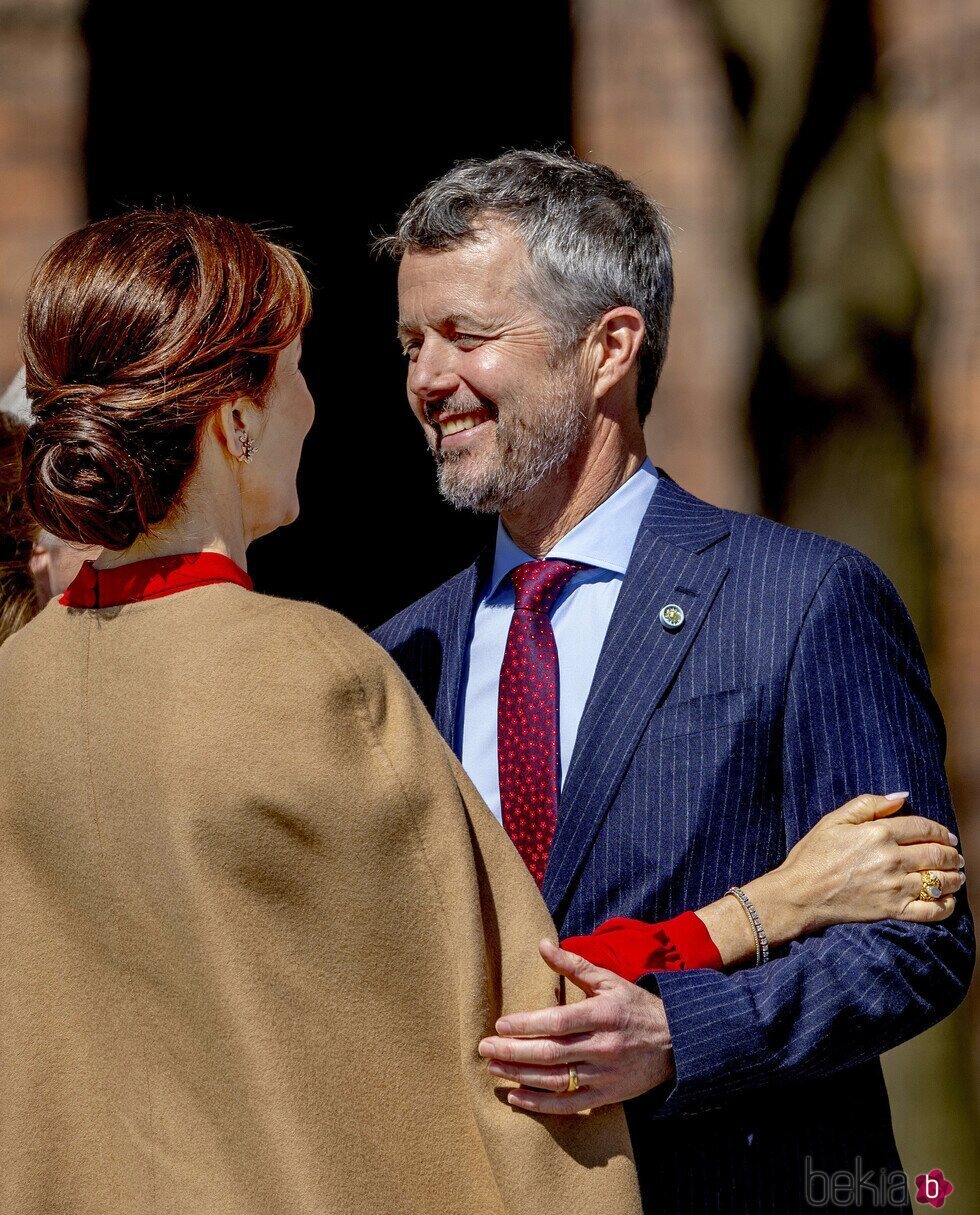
136, 329
19, 600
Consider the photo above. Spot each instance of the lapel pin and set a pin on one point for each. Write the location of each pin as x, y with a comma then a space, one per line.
672, 617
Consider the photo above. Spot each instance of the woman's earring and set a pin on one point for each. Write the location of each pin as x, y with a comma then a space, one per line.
248, 447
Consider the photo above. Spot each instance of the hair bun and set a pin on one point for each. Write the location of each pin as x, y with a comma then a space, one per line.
85, 472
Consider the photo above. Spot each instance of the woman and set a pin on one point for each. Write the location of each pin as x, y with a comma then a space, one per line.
34, 565
19, 599
254, 917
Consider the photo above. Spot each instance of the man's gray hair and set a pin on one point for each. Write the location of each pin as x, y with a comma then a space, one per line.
595, 241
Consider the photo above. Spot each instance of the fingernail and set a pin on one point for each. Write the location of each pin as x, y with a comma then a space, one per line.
893, 797
503, 1027
954, 840
960, 861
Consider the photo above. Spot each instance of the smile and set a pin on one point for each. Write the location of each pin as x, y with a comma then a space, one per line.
460, 424
461, 421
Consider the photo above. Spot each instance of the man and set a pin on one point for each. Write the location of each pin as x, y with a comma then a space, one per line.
658, 698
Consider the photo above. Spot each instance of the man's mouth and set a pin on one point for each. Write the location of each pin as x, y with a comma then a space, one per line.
448, 425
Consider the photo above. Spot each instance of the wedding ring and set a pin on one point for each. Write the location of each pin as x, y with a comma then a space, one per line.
932, 887
572, 1078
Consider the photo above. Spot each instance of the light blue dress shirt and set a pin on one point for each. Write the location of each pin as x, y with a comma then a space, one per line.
604, 540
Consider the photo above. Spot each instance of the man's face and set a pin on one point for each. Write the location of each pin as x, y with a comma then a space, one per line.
501, 410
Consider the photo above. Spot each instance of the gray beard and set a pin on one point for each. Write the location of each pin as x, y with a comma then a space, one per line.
523, 456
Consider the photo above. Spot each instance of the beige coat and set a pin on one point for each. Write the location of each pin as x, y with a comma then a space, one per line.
254, 920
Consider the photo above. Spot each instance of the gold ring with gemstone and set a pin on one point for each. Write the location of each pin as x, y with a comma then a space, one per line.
572, 1078
931, 890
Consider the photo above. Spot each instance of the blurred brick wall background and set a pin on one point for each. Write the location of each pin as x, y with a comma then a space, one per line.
42, 110
818, 161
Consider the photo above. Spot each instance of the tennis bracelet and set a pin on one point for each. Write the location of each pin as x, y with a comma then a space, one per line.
761, 940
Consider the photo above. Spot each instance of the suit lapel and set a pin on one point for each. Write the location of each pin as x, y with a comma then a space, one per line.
676, 559
462, 595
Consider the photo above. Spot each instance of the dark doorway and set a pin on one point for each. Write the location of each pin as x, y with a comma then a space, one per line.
324, 138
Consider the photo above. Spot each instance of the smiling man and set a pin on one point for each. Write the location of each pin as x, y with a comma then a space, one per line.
656, 697
518, 415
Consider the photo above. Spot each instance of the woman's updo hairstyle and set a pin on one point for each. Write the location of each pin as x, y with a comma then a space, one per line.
136, 329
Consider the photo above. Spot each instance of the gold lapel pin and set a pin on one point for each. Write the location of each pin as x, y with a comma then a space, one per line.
672, 617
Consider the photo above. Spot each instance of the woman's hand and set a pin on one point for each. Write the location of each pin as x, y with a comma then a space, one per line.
855, 864
858, 865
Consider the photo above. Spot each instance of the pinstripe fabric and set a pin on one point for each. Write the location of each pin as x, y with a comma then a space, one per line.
702, 756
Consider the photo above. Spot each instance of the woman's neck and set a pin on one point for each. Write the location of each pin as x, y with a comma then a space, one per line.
169, 546
205, 523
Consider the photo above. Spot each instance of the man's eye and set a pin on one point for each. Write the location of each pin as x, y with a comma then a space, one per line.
470, 339
411, 349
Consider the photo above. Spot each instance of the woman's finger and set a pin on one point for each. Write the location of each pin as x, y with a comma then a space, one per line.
949, 881
867, 806
551, 1079
913, 828
919, 912
920, 857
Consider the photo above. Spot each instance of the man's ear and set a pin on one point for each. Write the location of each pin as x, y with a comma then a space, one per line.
616, 338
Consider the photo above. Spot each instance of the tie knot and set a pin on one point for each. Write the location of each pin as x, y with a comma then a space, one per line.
537, 584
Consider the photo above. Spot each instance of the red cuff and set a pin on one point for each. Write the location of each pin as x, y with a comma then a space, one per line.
630, 948
693, 942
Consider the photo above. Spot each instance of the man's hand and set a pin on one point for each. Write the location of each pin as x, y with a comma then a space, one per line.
618, 1040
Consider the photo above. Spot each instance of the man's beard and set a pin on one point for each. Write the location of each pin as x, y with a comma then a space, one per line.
530, 443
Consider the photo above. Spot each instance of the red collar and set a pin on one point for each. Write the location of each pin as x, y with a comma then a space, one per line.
150, 579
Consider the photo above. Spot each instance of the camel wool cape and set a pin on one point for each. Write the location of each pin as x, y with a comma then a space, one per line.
254, 920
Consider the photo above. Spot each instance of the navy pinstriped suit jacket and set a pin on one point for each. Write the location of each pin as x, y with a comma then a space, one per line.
796, 682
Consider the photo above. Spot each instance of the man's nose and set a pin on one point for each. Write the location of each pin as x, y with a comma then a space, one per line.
432, 376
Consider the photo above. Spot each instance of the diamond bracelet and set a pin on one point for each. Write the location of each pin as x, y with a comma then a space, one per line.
761, 940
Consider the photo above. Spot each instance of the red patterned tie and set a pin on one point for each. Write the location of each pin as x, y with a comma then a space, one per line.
527, 713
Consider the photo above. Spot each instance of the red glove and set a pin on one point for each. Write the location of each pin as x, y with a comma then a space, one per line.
630, 948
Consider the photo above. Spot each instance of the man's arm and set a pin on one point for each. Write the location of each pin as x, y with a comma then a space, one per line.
859, 715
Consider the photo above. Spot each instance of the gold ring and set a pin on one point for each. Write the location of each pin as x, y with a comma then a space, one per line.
931, 890
572, 1078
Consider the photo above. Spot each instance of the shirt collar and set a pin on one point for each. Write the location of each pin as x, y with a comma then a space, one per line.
603, 539
152, 578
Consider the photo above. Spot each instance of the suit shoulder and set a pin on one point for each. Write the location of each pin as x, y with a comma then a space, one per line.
774, 552
429, 609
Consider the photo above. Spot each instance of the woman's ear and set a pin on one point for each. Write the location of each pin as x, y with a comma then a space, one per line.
231, 425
